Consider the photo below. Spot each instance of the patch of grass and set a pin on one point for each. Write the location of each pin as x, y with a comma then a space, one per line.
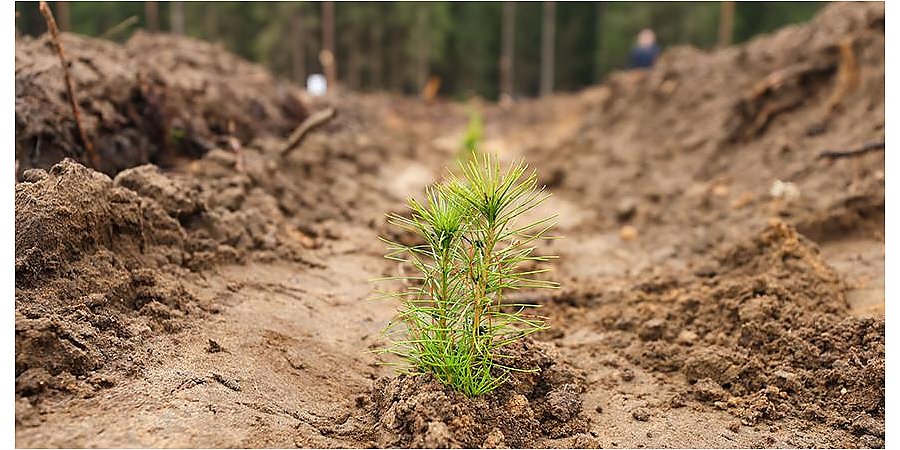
455, 321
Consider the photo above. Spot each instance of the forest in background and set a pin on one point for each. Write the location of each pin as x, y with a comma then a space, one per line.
398, 46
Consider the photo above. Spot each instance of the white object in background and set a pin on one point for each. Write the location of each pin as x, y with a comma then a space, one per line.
785, 190
316, 84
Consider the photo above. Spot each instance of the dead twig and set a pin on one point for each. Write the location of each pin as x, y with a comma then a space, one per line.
862, 149
312, 122
70, 87
119, 27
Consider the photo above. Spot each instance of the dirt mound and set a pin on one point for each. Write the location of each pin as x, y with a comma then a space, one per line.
706, 138
89, 255
418, 411
98, 261
761, 330
155, 99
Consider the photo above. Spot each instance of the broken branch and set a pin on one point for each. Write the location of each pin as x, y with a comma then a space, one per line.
119, 27
312, 122
863, 149
70, 86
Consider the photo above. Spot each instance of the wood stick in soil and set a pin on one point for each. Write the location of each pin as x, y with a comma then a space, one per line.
70, 86
312, 122
861, 150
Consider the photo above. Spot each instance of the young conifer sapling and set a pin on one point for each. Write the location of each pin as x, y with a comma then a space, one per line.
455, 321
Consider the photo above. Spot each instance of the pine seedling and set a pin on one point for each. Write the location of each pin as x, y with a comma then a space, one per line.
474, 134
455, 322
471, 141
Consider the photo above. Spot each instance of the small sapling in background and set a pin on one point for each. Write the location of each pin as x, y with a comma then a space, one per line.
471, 141
454, 320
474, 134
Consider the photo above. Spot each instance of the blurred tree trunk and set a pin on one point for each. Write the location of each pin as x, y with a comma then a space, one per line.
395, 65
677, 15
354, 57
211, 21
327, 57
176, 17
598, 41
376, 61
508, 49
726, 23
151, 11
548, 42
298, 49
423, 47
63, 16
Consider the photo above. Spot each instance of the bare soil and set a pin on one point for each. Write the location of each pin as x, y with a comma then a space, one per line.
723, 284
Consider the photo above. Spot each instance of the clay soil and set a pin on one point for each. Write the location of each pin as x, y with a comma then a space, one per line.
723, 283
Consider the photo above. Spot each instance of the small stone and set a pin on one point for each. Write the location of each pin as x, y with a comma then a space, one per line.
686, 337
735, 426
628, 233
627, 374
652, 329
641, 414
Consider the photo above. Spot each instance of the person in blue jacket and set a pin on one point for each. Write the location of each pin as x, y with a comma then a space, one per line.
644, 53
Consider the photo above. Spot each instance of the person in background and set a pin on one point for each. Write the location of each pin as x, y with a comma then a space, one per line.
644, 53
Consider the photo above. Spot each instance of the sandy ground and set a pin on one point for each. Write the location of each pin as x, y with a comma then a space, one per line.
225, 301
